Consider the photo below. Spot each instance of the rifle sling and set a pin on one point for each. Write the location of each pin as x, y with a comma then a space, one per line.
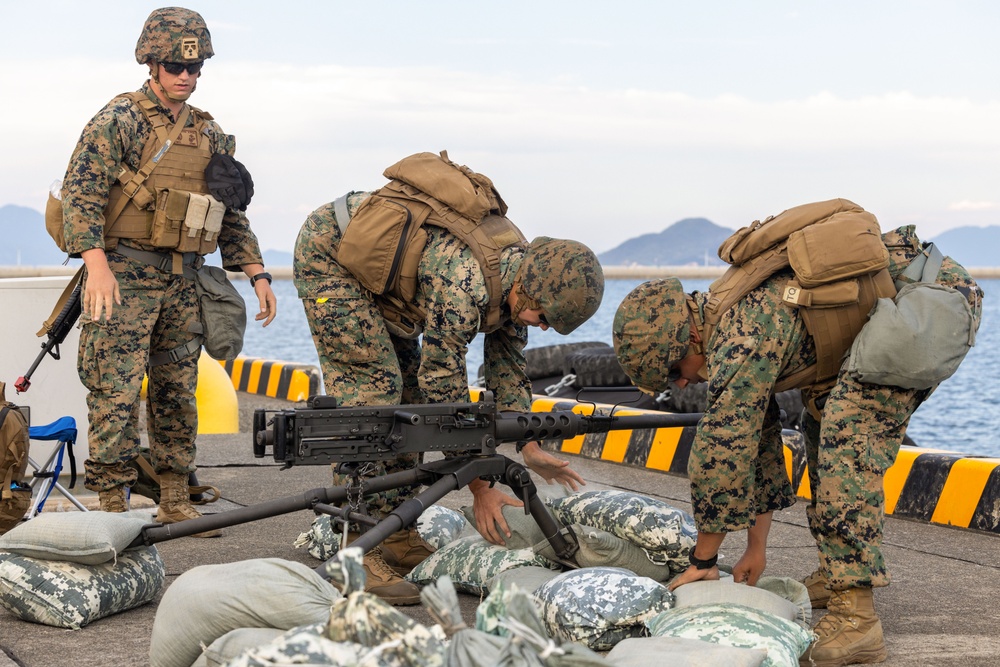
63, 298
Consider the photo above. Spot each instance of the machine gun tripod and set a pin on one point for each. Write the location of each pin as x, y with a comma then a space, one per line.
322, 434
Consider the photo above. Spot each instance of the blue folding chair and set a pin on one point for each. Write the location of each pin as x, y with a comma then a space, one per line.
46, 476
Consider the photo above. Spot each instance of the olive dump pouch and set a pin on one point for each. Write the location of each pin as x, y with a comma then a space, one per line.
15, 496
223, 313
918, 339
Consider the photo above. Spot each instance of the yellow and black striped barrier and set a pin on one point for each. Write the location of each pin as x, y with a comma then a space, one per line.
934, 486
277, 379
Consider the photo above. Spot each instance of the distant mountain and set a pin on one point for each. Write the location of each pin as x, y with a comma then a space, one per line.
687, 241
971, 246
25, 241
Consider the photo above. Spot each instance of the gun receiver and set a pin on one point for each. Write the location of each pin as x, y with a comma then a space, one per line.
322, 433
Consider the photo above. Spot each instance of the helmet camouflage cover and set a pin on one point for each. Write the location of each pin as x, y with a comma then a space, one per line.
566, 280
651, 332
174, 35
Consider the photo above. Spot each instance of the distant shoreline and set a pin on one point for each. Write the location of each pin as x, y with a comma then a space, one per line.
612, 272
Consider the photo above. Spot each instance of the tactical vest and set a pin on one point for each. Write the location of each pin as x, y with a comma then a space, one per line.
385, 239
840, 270
166, 203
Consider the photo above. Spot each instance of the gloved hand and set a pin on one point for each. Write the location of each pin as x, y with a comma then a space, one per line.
229, 181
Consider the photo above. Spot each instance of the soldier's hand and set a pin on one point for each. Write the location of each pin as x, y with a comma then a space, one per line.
693, 574
550, 468
229, 181
268, 302
487, 507
750, 566
101, 291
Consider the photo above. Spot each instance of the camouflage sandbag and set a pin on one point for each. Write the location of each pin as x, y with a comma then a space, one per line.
88, 538
466, 647
599, 548
600, 606
234, 643
471, 561
208, 601
303, 647
792, 590
441, 525
736, 625
527, 578
362, 618
512, 612
699, 593
322, 540
524, 531
665, 533
646, 651
71, 595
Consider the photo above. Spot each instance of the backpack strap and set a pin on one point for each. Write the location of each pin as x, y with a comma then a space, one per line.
923, 268
341, 212
5, 491
132, 181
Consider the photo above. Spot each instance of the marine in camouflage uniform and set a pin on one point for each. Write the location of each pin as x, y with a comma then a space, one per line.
737, 467
133, 310
364, 364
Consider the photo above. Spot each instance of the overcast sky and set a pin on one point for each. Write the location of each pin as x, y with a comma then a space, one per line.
596, 120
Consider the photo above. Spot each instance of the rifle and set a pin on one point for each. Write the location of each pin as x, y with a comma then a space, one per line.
57, 327
322, 433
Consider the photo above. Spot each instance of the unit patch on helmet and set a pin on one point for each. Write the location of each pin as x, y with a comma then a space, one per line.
189, 48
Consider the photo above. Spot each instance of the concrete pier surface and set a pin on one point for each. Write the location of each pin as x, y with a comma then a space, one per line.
942, 608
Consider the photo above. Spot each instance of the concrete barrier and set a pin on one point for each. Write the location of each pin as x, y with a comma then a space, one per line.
277, 379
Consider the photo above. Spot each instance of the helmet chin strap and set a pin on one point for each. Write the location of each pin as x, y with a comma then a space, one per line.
524, 302
154, 74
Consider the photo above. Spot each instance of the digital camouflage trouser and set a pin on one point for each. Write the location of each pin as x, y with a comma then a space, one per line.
364, 365
848, 453
155, 315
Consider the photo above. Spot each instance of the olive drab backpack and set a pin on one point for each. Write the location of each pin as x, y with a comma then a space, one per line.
15, 496
840, 267
382, 243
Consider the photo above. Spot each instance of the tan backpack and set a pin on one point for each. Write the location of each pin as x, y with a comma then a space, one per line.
840, 266
15, 496
384, 240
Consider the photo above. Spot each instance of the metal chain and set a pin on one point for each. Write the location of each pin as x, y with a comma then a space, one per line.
567, 381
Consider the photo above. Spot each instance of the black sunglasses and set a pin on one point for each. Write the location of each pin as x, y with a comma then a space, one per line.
543, 320
674, 374
176, 68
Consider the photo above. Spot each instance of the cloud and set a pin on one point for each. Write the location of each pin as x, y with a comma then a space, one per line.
974, 206
571, 160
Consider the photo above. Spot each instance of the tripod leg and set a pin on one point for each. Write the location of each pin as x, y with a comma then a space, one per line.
561, 538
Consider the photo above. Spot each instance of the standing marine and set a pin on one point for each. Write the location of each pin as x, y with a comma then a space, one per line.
368, 344
853, 433
150, 189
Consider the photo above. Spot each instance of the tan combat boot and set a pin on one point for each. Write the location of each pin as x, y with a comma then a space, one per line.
113, 499
382, 580
175, 502
404, 550
819, 594
850, 633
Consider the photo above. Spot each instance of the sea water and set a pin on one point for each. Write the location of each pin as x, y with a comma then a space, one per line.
963, 415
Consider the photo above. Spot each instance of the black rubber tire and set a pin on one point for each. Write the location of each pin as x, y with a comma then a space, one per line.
548, 360
596, 367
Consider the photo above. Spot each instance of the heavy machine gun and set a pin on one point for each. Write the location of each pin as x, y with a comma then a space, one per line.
469, 433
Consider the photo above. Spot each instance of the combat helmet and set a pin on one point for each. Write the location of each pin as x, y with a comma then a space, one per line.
174, 35
563, 278
651, 332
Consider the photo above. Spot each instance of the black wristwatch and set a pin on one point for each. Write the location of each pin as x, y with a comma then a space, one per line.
261, 276
706, 564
